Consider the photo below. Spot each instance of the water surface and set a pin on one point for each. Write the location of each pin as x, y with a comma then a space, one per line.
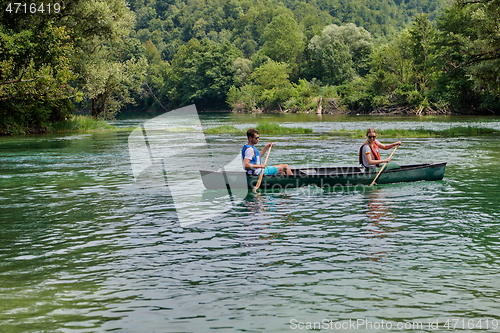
84, 248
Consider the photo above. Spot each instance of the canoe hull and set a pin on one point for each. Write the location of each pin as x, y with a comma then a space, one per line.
323, 177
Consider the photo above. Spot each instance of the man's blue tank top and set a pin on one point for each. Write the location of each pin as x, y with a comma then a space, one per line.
254, 160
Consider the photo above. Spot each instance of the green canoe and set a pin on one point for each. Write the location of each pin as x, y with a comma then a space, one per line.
323, 177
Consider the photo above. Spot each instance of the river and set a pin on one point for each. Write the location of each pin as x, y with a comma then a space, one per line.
85, 248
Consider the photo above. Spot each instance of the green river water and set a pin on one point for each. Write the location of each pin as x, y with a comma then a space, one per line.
84, 248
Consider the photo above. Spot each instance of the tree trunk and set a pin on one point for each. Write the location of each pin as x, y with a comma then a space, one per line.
319, 109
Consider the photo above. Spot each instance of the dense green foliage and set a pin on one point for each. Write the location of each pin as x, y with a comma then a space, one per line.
201, 73
51, 60
102, 56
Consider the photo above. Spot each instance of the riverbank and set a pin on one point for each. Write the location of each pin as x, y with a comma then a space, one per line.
333, 106
72, 124
458, 131
263, 127
336, 105
80, 123
274, 128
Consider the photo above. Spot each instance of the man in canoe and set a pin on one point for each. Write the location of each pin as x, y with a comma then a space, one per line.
251, 157
369, 152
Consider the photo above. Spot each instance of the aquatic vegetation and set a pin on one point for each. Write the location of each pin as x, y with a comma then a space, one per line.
224, 129
275, 128
468, 130
420, 132
80, 123
262, 127
180, 129
267, 128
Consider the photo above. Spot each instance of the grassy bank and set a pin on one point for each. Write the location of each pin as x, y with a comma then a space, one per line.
73, 124
80, 124
263, 128
224, 129
274, 128
420, 132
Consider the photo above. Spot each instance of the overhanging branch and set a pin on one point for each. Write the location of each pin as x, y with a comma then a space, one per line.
20, 80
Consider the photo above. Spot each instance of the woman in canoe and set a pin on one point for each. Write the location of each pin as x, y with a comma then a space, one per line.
369, 152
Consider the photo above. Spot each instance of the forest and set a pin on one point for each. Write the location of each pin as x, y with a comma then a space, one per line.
100, 57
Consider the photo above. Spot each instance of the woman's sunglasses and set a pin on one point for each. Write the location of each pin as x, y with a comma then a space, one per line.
372, 136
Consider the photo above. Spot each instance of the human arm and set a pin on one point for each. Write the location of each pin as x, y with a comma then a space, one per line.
388, 146
263, 151
248, 165
371, 161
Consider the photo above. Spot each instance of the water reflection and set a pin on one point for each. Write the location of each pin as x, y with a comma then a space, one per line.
379, 211
380, 216
269, 216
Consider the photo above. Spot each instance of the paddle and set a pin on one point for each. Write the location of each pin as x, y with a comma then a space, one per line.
383, 166
262, 172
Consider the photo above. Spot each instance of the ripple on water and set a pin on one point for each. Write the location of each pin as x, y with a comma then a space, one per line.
84, 248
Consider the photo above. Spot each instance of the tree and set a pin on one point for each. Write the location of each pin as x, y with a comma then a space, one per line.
340, 52
271, 86
151, 96
202, 73
421, 39
250, 27
242, 69
470, 38
100, 30
35, 71
112, 85
272, 75
336, 63
268, 87
51, 60
284, 41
